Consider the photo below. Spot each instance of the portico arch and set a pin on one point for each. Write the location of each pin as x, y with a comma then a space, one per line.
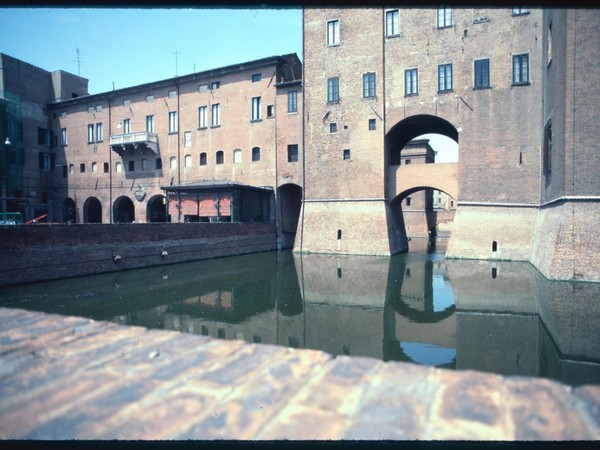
92, 211
123, 210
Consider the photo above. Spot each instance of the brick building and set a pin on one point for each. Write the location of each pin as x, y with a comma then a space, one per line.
189, 148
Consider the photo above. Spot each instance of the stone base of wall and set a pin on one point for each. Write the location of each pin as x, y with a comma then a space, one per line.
44, 252
565, 245
476, 228
355, 227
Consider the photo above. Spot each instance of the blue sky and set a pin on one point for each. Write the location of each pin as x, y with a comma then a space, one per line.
135, 46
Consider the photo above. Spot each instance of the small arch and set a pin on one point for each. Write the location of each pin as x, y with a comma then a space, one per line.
237, 156
118, 167
123, 210
203, 158
69, 210
494, 246
173, 162
156, 209
339, 234
92, 211
188, 161
255, 154
219, 157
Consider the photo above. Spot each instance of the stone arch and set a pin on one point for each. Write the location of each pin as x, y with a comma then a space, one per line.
411, 127
69, 210
156, 209
123, 210
92, 211
289, 199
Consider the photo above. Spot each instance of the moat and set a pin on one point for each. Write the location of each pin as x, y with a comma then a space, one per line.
492, 316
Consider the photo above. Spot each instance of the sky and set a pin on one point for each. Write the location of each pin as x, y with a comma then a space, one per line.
129, 47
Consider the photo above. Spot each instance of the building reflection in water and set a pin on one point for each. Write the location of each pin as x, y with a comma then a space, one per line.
498, 317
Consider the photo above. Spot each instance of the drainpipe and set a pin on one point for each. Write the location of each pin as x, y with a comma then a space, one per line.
178, 139
110, 166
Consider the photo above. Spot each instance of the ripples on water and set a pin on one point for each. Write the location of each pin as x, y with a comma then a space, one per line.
419, 307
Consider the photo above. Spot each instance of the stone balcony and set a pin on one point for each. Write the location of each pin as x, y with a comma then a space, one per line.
132, 143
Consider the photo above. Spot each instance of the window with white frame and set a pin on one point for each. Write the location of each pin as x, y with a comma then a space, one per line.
256, 108
392, 23
216, 115
482, 73
215, 85
333, 90
444, 77
292, 101
519, 11
256, 77
173, 162
99, 133
63, 136
520, 69
333, 32
172, 94
173, 122
187, 139
94, 167
126, 126
150, 124
90, 133
202, 117
188, 161
203, 88
411, 82
118, 167
369, 85
237, 156
444, 17
149, 98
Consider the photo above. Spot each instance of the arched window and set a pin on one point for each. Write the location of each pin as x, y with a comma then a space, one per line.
188, 160
82, 167
255, 154
94, 167
118, 167
203, 159
220, 157
71, 168
173, 162
237, 156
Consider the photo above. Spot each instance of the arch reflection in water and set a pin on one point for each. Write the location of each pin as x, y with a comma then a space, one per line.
413, 307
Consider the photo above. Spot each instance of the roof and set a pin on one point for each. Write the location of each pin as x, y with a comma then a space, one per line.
213, 185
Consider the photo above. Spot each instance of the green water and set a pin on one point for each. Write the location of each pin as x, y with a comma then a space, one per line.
418, 307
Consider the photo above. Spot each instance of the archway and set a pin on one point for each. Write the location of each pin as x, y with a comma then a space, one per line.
411, 127
290, 203
156, 210
123, 210
92, 211
69, 210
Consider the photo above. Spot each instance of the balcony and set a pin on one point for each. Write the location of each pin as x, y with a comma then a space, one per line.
134, 142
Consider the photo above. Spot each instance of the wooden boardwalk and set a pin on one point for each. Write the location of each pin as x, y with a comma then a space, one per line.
73, 378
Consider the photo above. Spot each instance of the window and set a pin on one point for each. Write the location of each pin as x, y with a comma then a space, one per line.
549, 50
255, 154
407, 162
270, 111
90, 110
333, 90
256, 77
158, 164
99, 133
202, 117
63, 136
216, 115
187, 139
90, 133
71, 168
346, 154
547, 153
150, 124
215, 85
98, 108
372, 124
172, 121
333, 127
237, 156
172, 94
482, 73
126, 103
392, 27
45, 162
131, 166
520, 11
256, 108
65, 171
407, 201
149, 98
203, 159
203, 88
94, 167
82, 168
106, 167
188, 161
144, 164
292, 151
411, 82
333, 32
444, 77
521, 69
369, 85
219, 157
292, 101
444, 17
173, 162
126, 126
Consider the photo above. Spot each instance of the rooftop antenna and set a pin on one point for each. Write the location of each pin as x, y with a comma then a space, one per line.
78, 60
176, 53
